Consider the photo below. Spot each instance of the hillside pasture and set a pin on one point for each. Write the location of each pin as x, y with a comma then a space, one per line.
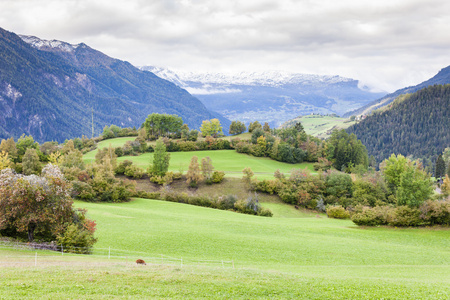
321, 126
229, 161
283, 257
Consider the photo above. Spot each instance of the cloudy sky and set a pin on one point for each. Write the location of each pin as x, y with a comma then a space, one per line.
386, 44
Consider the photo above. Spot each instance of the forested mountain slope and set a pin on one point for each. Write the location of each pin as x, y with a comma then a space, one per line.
416, 124
49, 88
443, 77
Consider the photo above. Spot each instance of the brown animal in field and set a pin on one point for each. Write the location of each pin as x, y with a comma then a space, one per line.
140, 262
296, 207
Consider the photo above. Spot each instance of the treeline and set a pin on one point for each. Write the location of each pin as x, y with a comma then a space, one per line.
415, 125
401, 194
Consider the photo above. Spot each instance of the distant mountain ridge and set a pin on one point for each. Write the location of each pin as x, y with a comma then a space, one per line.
442, 77
49, 88
271, 96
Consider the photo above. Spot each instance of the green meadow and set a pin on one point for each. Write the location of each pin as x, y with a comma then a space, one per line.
291, 255
321, 126
229, 161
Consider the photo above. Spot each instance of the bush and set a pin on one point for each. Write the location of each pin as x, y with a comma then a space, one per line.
82, 191
269, 186
264, 212
436, 212
226, 202
187, 146
404, 216
337, 212
122, 166
76, 240
368, 216
217, 176
134, 171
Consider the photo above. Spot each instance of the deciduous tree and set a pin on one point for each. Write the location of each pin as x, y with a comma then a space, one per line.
161, 159
30, 162
193, 176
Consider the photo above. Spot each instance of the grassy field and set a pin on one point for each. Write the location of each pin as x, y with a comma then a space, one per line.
288, 256
321, 126
229, 161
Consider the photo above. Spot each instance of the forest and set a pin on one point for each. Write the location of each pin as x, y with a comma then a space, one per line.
415, 125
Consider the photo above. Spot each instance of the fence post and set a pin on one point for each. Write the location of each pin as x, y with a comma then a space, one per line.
35, 259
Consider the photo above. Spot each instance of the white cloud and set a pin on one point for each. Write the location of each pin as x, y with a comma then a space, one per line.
385, 44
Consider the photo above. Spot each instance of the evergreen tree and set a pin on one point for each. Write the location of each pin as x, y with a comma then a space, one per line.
440, 167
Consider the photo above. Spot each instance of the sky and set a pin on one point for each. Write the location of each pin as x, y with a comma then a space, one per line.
386, 44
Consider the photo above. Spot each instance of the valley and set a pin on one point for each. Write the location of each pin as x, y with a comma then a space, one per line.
107, 164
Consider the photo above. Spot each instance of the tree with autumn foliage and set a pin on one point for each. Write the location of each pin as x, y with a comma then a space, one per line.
39, 207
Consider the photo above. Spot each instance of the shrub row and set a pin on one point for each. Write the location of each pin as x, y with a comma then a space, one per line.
229, 202
429, 213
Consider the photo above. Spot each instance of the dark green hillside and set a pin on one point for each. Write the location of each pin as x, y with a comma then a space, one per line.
49, 90
416, 124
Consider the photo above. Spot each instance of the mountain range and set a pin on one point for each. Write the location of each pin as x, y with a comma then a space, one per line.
443, 77
51, 89
271, 96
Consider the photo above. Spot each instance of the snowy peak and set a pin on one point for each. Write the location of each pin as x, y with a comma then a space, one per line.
45, 44
266, 78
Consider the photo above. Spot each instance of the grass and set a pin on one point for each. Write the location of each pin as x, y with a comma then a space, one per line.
229, 161
289, 256
321, 126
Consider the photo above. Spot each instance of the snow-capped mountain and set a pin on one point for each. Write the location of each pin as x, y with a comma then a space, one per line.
42, 44
271, 96
48, 89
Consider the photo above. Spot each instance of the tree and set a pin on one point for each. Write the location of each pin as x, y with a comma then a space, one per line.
207, 169
253, 126
9, 146
5, 162
73, 159
193, 175
108, 153
415, 187
237, 127
30, 162
256, 134
392, 169
35, 204
211, 127
266, 127
440, 167
445, 187
25, 142
407, 179
345, 150
161, 159
162, 124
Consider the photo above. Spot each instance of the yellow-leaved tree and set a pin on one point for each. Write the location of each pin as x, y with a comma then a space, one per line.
5, 162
